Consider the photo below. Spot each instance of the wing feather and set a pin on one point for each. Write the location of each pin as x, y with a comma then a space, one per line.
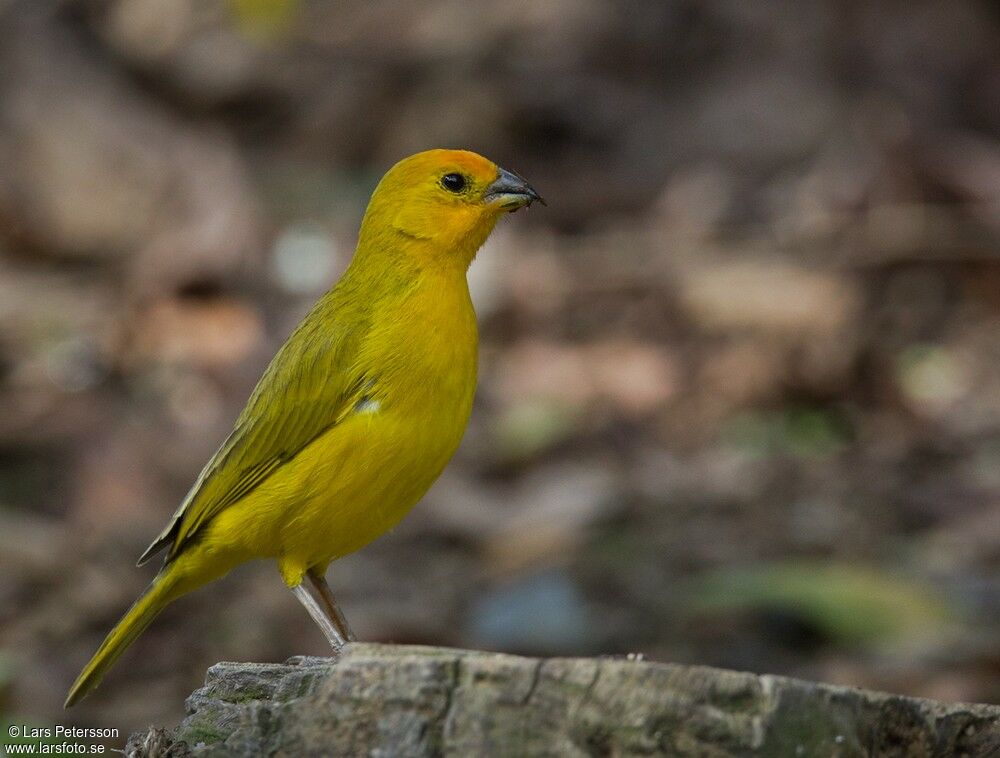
307, 388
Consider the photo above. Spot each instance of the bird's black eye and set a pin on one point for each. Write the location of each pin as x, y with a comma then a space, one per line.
453, 182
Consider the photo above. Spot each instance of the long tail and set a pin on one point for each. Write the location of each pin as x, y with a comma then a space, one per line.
156, 597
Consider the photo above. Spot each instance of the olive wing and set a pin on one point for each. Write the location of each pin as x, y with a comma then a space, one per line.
309, 387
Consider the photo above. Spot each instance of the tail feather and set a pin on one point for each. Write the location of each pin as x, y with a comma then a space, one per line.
156, 597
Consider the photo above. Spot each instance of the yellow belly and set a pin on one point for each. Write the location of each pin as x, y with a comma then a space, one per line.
346, 488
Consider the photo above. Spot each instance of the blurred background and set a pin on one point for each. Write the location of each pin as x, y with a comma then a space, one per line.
740, 380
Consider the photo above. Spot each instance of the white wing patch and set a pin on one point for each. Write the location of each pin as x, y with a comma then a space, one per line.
367, 406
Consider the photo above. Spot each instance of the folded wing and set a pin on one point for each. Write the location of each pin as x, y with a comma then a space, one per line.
309, 387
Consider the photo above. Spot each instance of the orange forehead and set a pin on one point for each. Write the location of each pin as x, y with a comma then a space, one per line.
463, 161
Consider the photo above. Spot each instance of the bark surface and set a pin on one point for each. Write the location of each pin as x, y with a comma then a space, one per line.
385, 700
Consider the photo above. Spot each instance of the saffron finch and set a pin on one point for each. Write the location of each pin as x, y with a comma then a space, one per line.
357, 414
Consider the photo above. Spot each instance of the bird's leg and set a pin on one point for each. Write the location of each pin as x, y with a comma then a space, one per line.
329, 603
333, 636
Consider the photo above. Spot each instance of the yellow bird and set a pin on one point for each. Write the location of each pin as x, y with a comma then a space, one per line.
359, 411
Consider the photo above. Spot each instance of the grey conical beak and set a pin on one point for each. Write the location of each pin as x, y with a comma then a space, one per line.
511, 192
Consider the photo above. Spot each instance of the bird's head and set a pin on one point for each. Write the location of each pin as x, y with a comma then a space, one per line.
441, 205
